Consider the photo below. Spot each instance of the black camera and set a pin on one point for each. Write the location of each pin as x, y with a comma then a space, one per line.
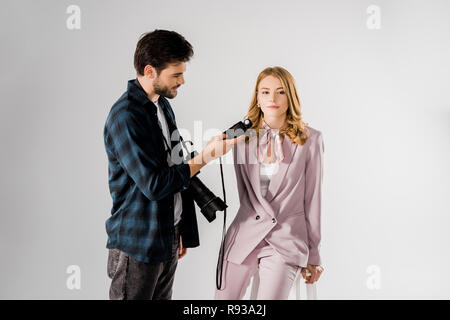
205, 199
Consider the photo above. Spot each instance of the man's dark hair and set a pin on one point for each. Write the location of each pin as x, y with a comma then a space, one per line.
159, 48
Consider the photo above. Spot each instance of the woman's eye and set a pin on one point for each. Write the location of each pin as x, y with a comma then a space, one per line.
281, 92
264, 92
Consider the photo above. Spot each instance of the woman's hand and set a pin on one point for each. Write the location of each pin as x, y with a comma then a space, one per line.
313, 275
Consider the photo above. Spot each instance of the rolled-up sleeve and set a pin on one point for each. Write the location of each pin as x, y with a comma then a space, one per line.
313, 177
136, 154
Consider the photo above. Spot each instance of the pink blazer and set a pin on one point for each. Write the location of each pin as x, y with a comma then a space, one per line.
289, 216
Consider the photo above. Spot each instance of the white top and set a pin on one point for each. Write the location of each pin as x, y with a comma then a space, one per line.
267, 170
178, 204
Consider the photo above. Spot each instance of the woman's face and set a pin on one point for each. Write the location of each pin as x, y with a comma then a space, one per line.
272, 97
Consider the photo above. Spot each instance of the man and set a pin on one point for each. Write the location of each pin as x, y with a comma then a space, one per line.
153, 217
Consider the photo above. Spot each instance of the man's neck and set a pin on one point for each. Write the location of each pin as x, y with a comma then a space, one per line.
148, 88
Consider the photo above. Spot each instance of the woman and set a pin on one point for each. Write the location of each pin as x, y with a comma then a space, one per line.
279, 174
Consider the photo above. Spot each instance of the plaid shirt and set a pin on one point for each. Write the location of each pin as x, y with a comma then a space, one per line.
141, 183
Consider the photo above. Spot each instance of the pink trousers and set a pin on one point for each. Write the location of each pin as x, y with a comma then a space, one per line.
276, 277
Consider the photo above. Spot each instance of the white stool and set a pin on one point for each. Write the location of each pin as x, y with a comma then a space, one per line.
311, 290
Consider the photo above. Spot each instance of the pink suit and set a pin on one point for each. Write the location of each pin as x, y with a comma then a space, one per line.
283, 226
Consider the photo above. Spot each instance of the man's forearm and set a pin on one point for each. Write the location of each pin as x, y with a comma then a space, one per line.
196, 163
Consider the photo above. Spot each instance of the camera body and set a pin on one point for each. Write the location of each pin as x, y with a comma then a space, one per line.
238, 129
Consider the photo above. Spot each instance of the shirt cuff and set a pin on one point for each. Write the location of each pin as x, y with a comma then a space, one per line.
314, 258
185, 173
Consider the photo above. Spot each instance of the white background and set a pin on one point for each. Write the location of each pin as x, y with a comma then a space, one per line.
379, 96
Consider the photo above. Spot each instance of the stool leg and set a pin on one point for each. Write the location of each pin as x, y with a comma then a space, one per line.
297, 286
311, 289
311, 292
255, 287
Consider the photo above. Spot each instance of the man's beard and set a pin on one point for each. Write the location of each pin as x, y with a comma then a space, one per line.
163, 90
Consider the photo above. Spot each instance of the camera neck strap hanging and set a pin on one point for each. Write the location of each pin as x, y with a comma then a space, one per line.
219, 268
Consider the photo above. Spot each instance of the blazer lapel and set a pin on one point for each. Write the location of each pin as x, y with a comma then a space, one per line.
254, 168
255, 181
289, 149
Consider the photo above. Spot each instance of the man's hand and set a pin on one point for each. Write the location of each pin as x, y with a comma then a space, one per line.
219, 146
314, 273
216, 147
181, 251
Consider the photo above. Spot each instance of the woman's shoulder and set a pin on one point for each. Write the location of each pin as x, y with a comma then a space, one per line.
313, 132
314, 135
315, 139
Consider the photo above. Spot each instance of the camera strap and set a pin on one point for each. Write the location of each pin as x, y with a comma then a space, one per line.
219, 269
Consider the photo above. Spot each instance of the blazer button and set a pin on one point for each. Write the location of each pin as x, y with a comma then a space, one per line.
257, 217
273, 220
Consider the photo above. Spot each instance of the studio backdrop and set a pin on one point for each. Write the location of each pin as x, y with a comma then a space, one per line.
372, 76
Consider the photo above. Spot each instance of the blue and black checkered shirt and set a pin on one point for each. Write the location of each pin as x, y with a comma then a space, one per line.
141, 183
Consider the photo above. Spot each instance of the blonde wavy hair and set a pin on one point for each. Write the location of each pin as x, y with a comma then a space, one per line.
295, 128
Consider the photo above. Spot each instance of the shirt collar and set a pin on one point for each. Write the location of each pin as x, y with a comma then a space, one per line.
137, 93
